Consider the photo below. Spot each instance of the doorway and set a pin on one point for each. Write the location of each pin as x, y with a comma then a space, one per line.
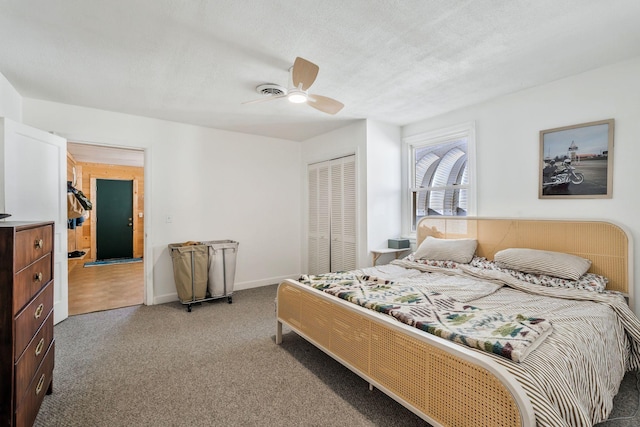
110, 273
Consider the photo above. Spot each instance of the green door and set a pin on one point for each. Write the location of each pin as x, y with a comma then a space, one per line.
114, 217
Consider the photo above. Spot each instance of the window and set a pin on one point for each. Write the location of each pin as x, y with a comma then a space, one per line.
440, 174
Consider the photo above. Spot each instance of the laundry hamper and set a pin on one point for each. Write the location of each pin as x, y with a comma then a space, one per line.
222, 267
190, 265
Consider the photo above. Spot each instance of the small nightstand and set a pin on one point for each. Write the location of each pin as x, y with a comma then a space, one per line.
377, 252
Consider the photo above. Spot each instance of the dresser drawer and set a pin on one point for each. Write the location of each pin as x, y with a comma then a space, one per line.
29, 281
27, 408
33, 356
32, 244
29, 320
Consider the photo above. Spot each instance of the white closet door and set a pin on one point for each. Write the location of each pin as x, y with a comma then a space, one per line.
312, 179
337, 216
349, 213
332, 216
324, 242
343, 214
318, 257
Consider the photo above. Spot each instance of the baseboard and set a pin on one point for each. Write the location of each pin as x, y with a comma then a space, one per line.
263, 282
173, 296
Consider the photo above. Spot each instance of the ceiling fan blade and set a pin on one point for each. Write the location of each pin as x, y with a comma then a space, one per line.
266, 98
324, 104
304, 73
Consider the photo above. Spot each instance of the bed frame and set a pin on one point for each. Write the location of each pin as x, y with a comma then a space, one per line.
444, 383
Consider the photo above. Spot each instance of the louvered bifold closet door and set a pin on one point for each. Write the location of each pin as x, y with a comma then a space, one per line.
332, 216
343, 215
349, 213
319, 233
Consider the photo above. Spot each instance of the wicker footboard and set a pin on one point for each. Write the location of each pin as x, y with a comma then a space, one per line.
443, 383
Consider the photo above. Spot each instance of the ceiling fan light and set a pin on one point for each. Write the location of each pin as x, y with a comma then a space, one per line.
297, 98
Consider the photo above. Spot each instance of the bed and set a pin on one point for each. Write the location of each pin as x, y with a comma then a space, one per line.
450, 384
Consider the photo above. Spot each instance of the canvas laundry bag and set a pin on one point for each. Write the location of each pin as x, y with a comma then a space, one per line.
190, 270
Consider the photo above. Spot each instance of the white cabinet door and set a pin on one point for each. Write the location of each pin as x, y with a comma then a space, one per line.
33, 188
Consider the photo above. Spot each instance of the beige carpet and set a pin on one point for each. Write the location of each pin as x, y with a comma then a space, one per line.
215, 366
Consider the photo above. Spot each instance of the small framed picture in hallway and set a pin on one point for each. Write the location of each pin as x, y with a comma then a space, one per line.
577, 161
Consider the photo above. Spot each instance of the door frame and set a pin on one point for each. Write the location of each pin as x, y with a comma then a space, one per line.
147, 249
94, 226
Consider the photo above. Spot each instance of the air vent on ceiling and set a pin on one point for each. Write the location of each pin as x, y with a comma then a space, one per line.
271, 89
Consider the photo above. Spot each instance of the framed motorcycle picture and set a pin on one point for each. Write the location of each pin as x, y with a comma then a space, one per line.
576, 162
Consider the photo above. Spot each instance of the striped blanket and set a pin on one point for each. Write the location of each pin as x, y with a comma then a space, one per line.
573, 376
574, 373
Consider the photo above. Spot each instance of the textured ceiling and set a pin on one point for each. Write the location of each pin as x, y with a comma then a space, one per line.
396, 61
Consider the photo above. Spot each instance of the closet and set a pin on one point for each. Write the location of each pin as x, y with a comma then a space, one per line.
332, 215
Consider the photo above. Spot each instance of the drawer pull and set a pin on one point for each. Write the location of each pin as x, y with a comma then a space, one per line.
39, 243
40, 384
39, 311
39, 347
37, 277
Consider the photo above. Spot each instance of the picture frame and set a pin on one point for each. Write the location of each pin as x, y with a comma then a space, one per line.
576, 162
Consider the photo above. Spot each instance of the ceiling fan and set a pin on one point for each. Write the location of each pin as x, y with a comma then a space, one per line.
303, 74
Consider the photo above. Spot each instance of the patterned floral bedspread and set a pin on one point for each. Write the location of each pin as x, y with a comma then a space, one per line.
510, 336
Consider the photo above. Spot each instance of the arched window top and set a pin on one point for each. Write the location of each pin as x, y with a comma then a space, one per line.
446, 172
427, 163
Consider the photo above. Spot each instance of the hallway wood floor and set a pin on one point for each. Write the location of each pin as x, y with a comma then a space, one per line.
104, 287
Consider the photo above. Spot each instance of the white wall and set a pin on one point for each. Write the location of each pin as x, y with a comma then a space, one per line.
214, 184
384, 177
507, 135
10, 101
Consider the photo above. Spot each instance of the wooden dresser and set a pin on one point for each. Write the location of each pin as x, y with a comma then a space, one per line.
26, 320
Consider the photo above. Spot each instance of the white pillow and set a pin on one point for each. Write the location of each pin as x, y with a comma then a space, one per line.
556, 264
457, 250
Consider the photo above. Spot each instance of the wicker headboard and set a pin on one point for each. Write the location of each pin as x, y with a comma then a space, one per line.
607, 245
